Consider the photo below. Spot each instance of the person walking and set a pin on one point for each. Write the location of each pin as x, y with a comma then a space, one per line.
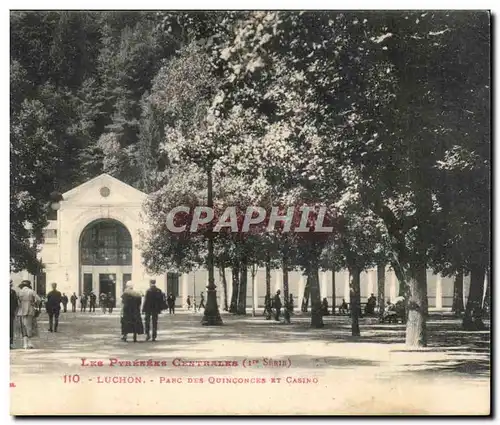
153, 303
277, 305
28, 300
53, 307
110, 302
171, 303
92, 302
14, 304
202, 301
83, 302
103, 302
188, 302
73, 299
131, 321
64, 301
343, 308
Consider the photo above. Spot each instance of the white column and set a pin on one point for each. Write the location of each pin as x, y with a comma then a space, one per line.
370, 282
95, 282
300, 296
256, 295
220, 291
229, 280
392, 289
347, 294
279, 280
439, 292
184, 294
323, 285
485, 287
463, 292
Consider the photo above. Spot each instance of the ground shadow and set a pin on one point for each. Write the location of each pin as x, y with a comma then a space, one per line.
97, 336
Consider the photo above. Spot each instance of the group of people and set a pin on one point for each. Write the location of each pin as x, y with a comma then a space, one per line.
64, 301
154, 303
106, 302
371, 303
26, 306
191, 303
273, 306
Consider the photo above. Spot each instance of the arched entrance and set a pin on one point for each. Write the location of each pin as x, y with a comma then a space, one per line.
105, 257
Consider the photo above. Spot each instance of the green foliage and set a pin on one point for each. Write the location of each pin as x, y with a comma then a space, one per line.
33, 156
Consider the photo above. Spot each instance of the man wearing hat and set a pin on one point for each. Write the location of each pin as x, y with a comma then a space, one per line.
53, 307
26, 312
153, 304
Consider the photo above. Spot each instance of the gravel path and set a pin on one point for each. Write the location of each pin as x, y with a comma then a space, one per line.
250, 366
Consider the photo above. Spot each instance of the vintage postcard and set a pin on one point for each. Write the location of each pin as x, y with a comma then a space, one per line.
250, 212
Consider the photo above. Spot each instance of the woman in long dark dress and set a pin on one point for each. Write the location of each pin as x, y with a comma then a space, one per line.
131, 320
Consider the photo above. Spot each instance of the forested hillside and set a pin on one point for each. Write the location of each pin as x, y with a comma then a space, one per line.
80, 84
89, 74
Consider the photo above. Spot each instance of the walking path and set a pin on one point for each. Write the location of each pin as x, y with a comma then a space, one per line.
282, 369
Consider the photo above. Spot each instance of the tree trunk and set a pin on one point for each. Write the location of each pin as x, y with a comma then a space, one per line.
242, 295
355, 299
458, 294
381, 288
305, 298
222, 273
403, 290
286, 313
316, 314
253, 272
233, 307
334, 290
267, 300
416, 329
473, 311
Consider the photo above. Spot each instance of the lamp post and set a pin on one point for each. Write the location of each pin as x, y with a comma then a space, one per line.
211, 316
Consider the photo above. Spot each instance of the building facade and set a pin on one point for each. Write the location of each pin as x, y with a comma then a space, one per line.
94, 244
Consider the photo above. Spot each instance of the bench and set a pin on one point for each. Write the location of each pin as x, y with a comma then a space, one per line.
362, 305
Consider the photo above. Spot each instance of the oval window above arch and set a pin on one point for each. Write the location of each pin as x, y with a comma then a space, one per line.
104, 191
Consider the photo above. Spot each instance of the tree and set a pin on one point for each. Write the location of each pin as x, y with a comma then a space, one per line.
151, 135
195, 135
163, 250
464, 168
33, 155
360, 245
350, 74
